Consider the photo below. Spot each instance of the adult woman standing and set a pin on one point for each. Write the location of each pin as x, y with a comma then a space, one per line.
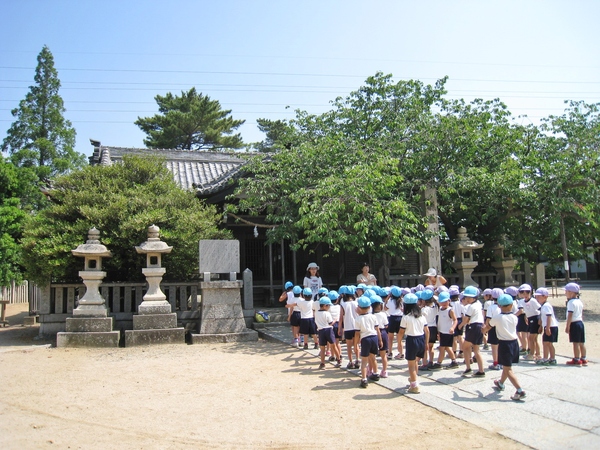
366, 277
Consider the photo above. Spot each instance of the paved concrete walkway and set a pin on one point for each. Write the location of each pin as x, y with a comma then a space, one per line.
561, 410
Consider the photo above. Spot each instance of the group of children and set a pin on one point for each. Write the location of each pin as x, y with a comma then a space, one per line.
367, 318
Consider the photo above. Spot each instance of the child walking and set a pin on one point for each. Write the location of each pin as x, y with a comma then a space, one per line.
335, 310
430, 311
382, 323
294, 314
324, 322
307, 319
473, 324
370, 341
394, 308
445, 327
531, 307
492, 311
549, 326
348, 317
459, 310
414, 326
575, 328
508, 346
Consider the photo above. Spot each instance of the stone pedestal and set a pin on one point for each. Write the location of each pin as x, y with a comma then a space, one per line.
464, 271
222, 316
505, 269
88, 332
464, 261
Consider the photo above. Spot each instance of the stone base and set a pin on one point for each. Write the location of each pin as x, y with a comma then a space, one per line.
155, 321
30, 320
152, 307
88, 339
154, 337
88, 324
243, 336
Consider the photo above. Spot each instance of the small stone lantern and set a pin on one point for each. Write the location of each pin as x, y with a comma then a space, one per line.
92, 304
464, 262
504, 265
154, 302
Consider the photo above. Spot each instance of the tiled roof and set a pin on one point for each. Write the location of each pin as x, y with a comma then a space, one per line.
205, 172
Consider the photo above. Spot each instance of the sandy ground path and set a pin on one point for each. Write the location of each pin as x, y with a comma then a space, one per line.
251, 395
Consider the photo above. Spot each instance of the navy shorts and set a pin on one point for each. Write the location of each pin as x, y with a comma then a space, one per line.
521, 325
307, 326
384, 340
473, 334
326, 336
446, 340
492, 336
508, 353
533, 326
458, 331
414, 347
369, 346
394, 324
553, 335
295, 319
336, 330
433, 335
577, 332
349, 334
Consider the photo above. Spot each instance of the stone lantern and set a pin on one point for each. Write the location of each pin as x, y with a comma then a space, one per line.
154, 323
90, 325
504, 265
464, 262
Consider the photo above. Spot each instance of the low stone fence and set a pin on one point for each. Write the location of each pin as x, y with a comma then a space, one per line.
122, 299
483, 279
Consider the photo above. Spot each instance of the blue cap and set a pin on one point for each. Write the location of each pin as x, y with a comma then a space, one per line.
376, 299
351, 290
396, 291
426, 294
443, 297
307, 291
324, 301
297, 290
343, 289
471, 291
370, 293
333, 295
287, 285
362, 286
410, 299
364, 302
322, 291
505, 300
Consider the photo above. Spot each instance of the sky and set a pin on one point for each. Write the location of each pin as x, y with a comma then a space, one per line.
265, 59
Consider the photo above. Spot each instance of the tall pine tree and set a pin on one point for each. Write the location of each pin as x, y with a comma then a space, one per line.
41, 138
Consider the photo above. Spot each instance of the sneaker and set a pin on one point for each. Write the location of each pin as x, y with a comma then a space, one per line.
305, 347
413, 390
383, 374
542, 362
486, 347
574, 362
466, 373
494, 367
399, 356
327, 353
552, 362
369, 372
452, 365
423, 367
357, 364
479, 374
436, 366
583, 362
518, 395
528, 357
350, 366
338, 364
390, 355
523, 351
364, 383
498, 385
316, 346
374, 377
321, 366
332, 358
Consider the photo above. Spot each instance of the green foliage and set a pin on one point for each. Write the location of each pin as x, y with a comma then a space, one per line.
121, 200
279, 135
191, 121
41, 138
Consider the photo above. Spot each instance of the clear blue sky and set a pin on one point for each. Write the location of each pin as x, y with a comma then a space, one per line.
257, 57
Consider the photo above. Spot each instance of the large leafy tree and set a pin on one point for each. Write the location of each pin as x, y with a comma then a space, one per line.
191, 121
41, 138
121, 200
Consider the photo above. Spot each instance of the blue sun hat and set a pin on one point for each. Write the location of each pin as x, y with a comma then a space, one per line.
505, 300
443, 297
410, 299
376, 299
396, 292
426, 294
324, 301
297, 290
369, 293
322, 291
364, 302
351, 290
287, 285
333, 295
471, 291
306, 292
362, 286
418, 295
343, 289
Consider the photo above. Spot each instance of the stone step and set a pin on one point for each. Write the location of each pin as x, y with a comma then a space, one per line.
154, 337
88, 339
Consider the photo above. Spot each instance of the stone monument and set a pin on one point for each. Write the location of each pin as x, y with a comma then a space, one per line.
90, 325
222, 316
154, 323
504, 265
464, 262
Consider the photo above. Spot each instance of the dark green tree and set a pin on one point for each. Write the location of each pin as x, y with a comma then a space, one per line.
279, 135
121, 200
41, 138
191, 121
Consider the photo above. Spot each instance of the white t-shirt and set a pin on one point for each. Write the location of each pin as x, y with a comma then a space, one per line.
475, 312
444, 320
413, 325
350, 314
314, 283
547, 313
293, 301
487, 304
576, 307
369, 281
334, 310
520, 304
492, 311
531, 308
323, 319
506, 326
430, 313
306, 308
392, 309
382, 319
458, 308
366, 323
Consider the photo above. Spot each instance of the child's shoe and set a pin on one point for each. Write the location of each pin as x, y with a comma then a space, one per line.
350, 366
305, 346
383, 374
390, 355
328, 353
528, 357
436, 366
321, 366
494, 367
542, 362
374, 377
316, 346
498, 385
479, 374
583, 362
486, 347
452, 365
523, 351
369, 372
574, 362
399, 356
331, 358
552, 362
357, 364
467, 373
338, 364
364, 383
518, 395
413, 390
